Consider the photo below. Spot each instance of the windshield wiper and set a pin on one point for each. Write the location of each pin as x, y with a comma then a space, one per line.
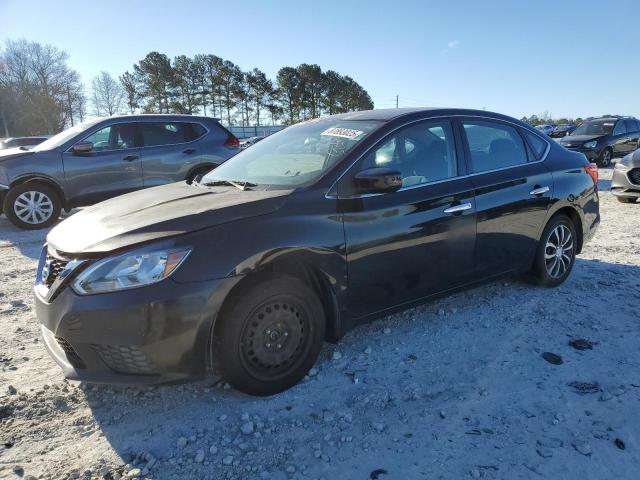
235, 183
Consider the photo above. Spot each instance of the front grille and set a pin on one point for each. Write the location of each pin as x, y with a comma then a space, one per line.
124, 359
52, 269
634, 176
70, 353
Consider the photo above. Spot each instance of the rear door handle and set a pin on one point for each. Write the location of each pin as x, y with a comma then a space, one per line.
130, 158
458, 208
189, 151
539, 191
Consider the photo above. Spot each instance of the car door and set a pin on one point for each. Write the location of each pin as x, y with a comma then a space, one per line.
513, 190
419, 240
170, 150
633, 135
620, 138
112, 166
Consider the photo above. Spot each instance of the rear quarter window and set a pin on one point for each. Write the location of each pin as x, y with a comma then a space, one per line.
537, 145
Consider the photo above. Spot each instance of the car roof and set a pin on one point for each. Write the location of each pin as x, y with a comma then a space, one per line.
389, 114
159, 116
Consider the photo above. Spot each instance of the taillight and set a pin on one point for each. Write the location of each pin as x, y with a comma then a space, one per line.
231, 141
592, 170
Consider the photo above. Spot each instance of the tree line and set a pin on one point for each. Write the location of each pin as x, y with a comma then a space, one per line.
547, 119
40, 93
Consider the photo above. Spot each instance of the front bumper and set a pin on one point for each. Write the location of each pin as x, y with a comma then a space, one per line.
155, 334
592, 154
622, 184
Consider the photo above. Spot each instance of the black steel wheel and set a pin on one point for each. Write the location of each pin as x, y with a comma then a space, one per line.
269, 336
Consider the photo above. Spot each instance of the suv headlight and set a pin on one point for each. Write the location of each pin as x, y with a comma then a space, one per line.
130, 270
591, 144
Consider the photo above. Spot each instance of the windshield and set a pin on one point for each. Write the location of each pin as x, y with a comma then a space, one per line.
294, 157
594, 128
64, 136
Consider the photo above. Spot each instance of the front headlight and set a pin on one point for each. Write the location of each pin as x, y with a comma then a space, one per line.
591, 144
131, 270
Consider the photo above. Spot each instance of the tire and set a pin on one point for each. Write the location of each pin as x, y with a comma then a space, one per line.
605, 158
268, 336
626, 199
19, 201
548, 270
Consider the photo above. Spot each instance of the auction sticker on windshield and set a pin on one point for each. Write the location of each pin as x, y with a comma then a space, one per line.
349, 133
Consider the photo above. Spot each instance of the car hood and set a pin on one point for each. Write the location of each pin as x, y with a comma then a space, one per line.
579, 138
156, 213
631, 160
10, 153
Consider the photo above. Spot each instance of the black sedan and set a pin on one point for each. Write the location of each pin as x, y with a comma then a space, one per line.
303, 236
562, 130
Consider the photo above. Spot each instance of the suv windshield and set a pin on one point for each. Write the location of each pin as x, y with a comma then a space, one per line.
594, 128
294, 157
64, 136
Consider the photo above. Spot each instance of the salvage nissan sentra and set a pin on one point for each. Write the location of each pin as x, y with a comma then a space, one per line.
303, 236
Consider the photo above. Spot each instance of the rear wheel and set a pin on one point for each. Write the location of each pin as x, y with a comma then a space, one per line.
626, 199
556, 252
32, 206
269, 336
605, 158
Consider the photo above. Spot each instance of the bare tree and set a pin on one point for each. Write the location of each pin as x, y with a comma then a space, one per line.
36, 86
107, 95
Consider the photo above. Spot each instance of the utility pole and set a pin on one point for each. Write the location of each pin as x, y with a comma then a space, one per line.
397, 101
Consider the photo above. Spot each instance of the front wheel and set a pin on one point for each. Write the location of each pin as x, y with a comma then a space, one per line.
605, 158
556, 252
626, 199
269, 336
32, 206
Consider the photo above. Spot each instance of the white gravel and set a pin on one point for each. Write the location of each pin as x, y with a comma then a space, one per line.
457, 388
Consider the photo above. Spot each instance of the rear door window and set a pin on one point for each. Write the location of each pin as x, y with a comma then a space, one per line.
170, 133
494, 145
632, 125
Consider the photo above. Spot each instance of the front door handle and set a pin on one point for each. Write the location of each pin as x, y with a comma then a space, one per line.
458, 208
130, 158
189, 151
539, 190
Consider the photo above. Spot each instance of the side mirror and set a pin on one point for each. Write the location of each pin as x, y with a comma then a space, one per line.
378, 180
80, 148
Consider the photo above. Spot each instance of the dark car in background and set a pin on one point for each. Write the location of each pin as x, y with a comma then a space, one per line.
13, 142
547, 129
625, 182
104, 158
602, 139
298, 239
562, 130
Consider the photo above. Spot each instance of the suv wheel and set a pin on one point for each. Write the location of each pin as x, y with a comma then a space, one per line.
32, 206
605, 158
269, 336
556, 252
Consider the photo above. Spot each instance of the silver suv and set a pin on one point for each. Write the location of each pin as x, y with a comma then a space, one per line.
104, 158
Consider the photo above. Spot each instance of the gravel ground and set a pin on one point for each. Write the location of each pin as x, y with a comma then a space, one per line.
457, 388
